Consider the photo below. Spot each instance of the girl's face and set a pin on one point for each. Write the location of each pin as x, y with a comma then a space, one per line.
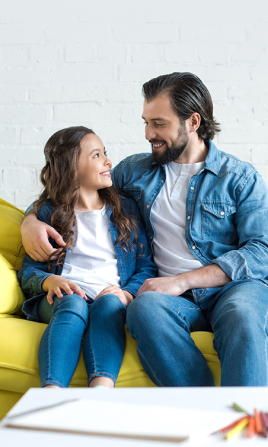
93, 165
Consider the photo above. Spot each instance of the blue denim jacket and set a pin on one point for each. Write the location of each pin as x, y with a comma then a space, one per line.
133, 269
226, 210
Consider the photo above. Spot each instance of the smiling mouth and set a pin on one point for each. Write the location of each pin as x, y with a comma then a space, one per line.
157, 146
106, 173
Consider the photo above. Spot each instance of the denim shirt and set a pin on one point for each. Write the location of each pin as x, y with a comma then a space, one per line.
133, 269
226, 221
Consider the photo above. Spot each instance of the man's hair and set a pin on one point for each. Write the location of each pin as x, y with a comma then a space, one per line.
188, 95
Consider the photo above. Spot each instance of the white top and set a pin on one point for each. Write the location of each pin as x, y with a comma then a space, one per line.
91, 263
171, 254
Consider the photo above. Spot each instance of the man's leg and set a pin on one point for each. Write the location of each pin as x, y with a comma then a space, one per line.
162, 324
239, 322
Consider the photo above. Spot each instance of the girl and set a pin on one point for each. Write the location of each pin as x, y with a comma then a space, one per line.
87, 285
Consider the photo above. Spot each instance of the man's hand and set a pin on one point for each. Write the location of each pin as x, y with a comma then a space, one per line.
124, 296
204, 277
54, 284
35, 236
168, 285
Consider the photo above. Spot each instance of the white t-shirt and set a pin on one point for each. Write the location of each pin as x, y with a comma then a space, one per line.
171, 254
91, 263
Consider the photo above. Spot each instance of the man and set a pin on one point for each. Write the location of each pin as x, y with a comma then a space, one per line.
206, 215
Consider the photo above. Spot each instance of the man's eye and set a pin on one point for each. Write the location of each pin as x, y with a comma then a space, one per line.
159, 124
145, 122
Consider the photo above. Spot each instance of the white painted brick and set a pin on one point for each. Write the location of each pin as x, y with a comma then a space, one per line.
261, 113
243, 152
233, 114
260, 154
10, 93
215, 52
8, 136
44, 54
79, 53
26, 75
218, 91
37, 135
147, 53
263, 170
20, 34
66, 33
18, 177
24, 198
122, 133
13, 55
85, 114
83, 72
131, 115
248, 93
259, 73
145, 33
131, 92
248, 52
112, 53
223, 33
8, 196
181, 52
60, 93
31, 115
244, 134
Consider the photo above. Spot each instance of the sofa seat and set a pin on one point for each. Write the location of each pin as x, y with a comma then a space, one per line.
19, 338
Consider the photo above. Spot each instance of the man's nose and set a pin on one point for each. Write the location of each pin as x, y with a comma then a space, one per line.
150, 133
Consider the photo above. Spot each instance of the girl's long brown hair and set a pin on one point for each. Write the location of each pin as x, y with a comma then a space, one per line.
61, 187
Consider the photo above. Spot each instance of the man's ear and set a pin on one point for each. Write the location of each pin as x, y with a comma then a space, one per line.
194, 122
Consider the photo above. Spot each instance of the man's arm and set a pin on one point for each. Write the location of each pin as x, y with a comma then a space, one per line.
35, 236
208, 276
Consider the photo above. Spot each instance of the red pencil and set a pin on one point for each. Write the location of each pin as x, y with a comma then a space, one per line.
233, 424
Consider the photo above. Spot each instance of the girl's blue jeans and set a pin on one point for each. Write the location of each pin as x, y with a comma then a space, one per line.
101, 322
237, 314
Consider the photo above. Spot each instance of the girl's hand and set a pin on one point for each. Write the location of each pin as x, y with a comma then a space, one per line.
124, 296
53, 284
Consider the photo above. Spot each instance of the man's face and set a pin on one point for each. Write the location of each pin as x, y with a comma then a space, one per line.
167, 135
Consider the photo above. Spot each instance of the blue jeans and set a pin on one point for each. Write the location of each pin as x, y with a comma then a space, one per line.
70, 318
236, 314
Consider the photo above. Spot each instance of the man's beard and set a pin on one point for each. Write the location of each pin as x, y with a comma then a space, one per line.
172, 152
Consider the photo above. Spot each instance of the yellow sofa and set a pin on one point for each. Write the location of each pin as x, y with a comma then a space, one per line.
19, 338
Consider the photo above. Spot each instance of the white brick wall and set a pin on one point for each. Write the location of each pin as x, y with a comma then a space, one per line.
66, 63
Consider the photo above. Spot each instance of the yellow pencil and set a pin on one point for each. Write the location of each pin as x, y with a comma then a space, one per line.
237, 429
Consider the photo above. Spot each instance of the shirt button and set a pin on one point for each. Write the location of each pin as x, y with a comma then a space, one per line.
193, 247
148, 206
192, 187
189, 217
222, 213
162, 181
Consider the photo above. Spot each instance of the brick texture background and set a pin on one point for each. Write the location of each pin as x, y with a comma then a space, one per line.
66, 63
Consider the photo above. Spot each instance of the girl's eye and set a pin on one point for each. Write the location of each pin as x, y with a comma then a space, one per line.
96, 155
105, 153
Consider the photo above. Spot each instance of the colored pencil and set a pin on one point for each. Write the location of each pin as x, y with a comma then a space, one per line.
259, 428
240, 409
251, 427
264, 429
228, 427
237, 429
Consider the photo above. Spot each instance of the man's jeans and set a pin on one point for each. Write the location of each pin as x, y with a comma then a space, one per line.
70, 317
237, 315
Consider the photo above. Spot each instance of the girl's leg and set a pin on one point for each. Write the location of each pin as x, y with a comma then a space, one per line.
104, 343
61, 342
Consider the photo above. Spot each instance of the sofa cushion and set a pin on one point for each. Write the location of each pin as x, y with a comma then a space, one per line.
10, 238
19, 368
11, 296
